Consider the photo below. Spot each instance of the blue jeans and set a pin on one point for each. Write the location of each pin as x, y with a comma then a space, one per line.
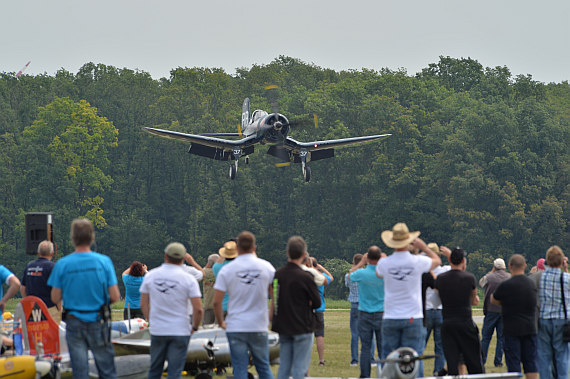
294, 351
354, 332
434, 319
243, 343
84, 336
492, 321
551, 348
170, 348
401, 333
369, 325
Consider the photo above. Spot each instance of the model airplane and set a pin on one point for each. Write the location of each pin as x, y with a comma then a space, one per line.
262, 128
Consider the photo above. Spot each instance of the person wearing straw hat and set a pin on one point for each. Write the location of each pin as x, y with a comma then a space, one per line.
227, 254
402, 272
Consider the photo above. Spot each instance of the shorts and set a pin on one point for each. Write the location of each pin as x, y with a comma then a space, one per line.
320, 324
521, 349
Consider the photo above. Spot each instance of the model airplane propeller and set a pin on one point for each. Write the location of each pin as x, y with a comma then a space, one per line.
263, 128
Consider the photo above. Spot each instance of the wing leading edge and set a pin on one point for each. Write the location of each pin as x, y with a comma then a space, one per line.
294, 145
202, 139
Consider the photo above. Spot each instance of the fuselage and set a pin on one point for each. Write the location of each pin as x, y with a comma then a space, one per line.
269, 129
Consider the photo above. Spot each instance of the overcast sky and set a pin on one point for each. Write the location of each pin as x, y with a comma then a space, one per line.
528, 36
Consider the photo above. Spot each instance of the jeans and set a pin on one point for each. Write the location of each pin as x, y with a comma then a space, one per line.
434, 319
369, 324
241, 343
401, 333
84, 336
294, 351
492, 321
170, 348
551, 348
354, 332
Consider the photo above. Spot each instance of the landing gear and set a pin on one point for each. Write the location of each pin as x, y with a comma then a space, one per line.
247, 159
236, 153
306, 172
233, 171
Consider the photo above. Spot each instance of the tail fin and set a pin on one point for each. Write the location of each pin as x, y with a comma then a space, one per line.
245, 113
37, 326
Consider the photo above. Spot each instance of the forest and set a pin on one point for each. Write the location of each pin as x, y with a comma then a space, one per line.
478, 158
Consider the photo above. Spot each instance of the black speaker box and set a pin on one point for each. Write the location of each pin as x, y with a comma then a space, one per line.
39, 227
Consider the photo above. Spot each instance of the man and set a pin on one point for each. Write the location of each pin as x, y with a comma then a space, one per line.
247, 281
353, 299
492, 312
459, 334
551, 348
434, 318
517, 297
87, 284
13, 284
227, 253
35, 278
320, 311
370, 305
402, 323
167, 293
295, 297
209, 280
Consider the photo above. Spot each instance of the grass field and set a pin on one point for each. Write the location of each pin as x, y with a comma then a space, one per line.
337, 343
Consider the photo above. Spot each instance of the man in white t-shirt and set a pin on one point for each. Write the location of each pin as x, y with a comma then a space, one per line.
402, 324
167, 293
247, 280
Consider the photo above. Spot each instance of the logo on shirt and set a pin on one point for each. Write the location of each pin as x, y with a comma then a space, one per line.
165, 285
248, 276
400, 273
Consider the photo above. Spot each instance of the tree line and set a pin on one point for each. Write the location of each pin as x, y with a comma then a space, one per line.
477, 158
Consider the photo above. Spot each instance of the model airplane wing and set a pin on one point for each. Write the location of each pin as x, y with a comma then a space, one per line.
291, 144
204, 140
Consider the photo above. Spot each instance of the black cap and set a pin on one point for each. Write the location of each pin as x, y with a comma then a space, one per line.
457, 255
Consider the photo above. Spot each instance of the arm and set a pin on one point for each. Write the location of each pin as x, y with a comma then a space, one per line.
114, 294
218, 311
420, 244
326, 271
188, 258
145, 305
56, 295
14, 285
445, 251
359, 265
272, 303
127, 271
474, 297
23, 290
197, 312
495, 301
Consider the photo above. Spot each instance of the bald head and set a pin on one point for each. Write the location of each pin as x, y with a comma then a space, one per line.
45, 249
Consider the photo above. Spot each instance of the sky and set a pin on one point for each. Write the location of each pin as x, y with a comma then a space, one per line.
527, 36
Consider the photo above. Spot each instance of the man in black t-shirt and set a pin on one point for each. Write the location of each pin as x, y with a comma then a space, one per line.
517, 296
459, 334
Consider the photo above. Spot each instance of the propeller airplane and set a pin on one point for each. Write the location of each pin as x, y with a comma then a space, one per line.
262, 128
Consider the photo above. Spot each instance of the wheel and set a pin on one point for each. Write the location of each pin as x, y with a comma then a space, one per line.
233, 171
307, 173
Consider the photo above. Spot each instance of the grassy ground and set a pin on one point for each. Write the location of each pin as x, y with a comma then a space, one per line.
337, 343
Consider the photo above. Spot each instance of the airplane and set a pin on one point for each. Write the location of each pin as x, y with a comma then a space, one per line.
262, 128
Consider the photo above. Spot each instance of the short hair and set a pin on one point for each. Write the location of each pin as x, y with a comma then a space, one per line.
136, 269
357, 258
314, 261
45, 248
517, 262
82, 232
374, 253
212, 259
457, 256
175, 261
296, 247
554, 256
245, 242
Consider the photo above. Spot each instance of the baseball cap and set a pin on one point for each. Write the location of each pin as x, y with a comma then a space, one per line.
175, 250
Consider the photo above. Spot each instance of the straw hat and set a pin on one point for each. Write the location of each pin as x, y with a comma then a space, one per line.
229, 250
433, 247
399, 236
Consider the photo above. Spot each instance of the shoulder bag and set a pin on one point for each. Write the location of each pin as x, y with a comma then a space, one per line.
566, 327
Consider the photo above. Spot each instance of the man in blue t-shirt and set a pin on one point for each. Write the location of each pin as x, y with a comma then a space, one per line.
227, 254
86, 281
35, 278
370, 305
12, 281
320, 312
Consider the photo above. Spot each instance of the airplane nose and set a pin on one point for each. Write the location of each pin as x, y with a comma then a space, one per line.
278, 125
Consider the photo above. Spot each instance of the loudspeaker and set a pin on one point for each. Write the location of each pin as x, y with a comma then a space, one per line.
39, 227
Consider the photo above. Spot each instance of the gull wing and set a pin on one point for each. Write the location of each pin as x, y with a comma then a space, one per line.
218, 143
295, 146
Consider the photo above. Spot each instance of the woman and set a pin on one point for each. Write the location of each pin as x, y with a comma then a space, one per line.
133, 278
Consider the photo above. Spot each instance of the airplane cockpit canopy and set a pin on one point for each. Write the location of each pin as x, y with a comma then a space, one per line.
257, 114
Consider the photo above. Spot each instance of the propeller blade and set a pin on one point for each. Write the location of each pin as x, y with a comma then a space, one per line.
273, 96
239, 131
316, 120
283, 164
